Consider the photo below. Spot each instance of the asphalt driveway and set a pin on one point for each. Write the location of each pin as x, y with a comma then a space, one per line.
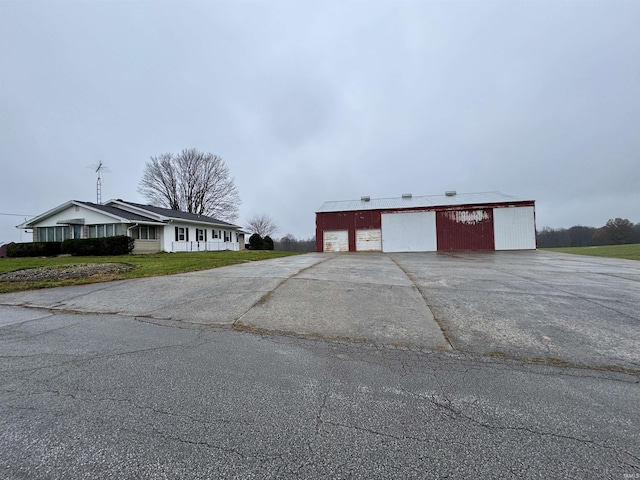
537, 305
150, 378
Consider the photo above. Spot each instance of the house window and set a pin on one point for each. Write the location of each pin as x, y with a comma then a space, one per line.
104, 230
53, 234
144, 232
182, 234
201, 235
109, 230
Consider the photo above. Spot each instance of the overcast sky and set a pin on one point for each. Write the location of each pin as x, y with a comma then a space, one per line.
308, 101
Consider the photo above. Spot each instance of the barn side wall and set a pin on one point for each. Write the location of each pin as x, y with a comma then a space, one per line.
459, 227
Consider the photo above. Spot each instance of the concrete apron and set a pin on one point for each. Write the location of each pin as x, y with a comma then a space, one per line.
353, 297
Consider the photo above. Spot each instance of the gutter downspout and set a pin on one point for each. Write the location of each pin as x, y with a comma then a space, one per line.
132, 226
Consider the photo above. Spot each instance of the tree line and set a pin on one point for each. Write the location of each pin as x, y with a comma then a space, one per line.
617, 231
289, 243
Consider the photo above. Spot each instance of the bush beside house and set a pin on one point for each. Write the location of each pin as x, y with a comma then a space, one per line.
118, 245
256, 242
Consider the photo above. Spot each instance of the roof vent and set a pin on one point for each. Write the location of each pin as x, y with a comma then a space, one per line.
450, 193
366, 198
406, 195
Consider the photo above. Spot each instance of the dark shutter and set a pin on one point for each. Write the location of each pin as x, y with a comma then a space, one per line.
176, 234
205, 234
186, 229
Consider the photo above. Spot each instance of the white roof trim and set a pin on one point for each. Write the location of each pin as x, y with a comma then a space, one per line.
426, 201
64, 206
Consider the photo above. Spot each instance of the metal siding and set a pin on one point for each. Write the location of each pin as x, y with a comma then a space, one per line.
336, 241
350, 221
514, 228
368, 240
409, 232
469, 229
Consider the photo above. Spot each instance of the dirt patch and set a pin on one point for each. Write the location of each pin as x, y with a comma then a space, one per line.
65, 272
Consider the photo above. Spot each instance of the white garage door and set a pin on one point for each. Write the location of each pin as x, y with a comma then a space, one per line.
514, 228
336, 241
409, 232
368, 240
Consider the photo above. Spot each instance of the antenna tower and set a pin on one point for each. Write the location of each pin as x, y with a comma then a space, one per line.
99, 183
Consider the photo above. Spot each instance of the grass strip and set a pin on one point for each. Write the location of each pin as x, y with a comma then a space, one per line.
629, 252
148, 265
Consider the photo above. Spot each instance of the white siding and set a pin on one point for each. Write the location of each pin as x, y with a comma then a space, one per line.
193, 245
90, 217
335, 241
368, 240
514, 228
409, 232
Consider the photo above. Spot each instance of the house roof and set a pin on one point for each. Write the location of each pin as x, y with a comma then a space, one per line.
167, 213
118, 212
409, 201
129, 212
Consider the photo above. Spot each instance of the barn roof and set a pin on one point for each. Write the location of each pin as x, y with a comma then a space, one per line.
410, 201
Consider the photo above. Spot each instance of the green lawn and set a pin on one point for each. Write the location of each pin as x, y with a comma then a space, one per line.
146, 265
630, 252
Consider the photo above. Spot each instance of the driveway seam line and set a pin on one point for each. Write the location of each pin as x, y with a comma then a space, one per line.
265, 297
424, 299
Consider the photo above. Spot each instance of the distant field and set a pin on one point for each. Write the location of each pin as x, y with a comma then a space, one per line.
146, 265
630, 252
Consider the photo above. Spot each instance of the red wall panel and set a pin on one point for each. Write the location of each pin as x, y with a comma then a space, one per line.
346, 221
468, 229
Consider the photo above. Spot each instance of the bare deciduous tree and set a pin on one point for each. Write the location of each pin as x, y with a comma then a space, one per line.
192, 181
262, 224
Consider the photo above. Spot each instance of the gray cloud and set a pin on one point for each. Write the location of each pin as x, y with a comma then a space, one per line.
315, 101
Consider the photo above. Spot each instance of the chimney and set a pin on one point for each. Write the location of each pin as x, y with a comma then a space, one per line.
450, 193
366, 198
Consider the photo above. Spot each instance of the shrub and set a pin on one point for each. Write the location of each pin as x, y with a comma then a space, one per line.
34, 249
267, 243
119, 245
256, 242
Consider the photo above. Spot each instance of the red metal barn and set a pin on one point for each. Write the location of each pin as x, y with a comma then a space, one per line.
469, 221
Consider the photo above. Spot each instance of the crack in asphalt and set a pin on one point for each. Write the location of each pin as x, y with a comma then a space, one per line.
455, 413
566, 369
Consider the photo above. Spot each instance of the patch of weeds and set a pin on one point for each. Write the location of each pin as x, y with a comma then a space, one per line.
558, 362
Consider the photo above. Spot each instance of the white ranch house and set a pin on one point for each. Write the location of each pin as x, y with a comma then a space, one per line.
154, 229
